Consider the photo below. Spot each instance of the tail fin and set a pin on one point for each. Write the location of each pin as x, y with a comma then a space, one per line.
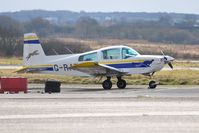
33, 53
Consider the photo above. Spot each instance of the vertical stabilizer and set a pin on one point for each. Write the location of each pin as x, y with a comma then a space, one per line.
33, 53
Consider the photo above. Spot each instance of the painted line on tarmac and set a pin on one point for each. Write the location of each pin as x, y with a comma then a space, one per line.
46, 116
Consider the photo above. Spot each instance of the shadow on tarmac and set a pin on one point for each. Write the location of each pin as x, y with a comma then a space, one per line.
101, 89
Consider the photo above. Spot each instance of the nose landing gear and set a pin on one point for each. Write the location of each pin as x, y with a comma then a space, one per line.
152, 84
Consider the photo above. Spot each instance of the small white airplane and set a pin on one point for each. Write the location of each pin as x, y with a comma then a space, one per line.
111, 61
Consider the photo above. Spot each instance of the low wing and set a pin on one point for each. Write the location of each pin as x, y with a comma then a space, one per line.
97, 69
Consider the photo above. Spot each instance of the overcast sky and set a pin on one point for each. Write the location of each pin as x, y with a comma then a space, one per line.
178, 6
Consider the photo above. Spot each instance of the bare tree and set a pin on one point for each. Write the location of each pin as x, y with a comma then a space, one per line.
10, 36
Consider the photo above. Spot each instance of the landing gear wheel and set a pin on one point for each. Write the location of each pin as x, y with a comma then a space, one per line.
152, 84
121, 84
107, 85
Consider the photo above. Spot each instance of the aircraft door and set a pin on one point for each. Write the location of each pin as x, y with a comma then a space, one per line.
111, 54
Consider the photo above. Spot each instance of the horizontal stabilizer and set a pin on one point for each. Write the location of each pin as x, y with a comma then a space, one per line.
33, 69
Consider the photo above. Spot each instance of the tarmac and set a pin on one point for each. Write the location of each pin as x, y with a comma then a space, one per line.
90, 109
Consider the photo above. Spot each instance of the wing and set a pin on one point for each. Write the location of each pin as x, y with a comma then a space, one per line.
97, 69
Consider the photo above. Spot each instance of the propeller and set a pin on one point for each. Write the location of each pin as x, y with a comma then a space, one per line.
166, 61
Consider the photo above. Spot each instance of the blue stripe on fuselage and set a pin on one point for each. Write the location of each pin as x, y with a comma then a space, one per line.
49, 69
31, 42
41, 69
132, 64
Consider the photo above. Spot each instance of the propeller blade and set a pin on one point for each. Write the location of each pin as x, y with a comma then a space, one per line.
170, 65
162, 52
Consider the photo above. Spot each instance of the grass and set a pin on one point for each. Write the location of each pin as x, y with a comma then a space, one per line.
179, 77
186, 64
18, 61
10, 60
180, 51
175, 77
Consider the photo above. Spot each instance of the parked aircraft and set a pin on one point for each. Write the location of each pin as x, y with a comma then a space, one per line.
113, 61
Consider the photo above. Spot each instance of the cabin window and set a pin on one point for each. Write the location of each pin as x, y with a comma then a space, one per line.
88, 57
127, 52
111, 54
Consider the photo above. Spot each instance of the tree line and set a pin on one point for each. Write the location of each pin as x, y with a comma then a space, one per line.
165, 30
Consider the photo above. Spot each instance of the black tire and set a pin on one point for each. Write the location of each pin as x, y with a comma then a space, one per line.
152, 85
121, 84
52, 87
107, 85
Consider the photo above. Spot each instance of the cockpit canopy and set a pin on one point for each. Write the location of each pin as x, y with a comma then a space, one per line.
112, 53
118, 53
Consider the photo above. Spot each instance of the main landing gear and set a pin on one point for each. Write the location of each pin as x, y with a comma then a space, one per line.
107, 84
121, 84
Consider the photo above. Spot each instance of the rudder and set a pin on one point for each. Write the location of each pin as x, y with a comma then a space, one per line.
33, 53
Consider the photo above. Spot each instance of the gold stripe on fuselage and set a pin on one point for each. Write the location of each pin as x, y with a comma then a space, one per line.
85, 64
121, 61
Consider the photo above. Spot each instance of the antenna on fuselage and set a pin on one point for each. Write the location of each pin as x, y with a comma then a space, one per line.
69, 50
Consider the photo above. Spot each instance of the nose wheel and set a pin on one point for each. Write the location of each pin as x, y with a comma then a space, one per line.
153, 84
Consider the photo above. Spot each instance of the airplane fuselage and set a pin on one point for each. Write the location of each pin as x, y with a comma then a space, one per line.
140, 64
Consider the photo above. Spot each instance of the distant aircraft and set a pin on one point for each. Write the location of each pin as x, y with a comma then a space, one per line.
114, 61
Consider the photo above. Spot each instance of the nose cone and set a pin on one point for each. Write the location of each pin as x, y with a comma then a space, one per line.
169, 58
